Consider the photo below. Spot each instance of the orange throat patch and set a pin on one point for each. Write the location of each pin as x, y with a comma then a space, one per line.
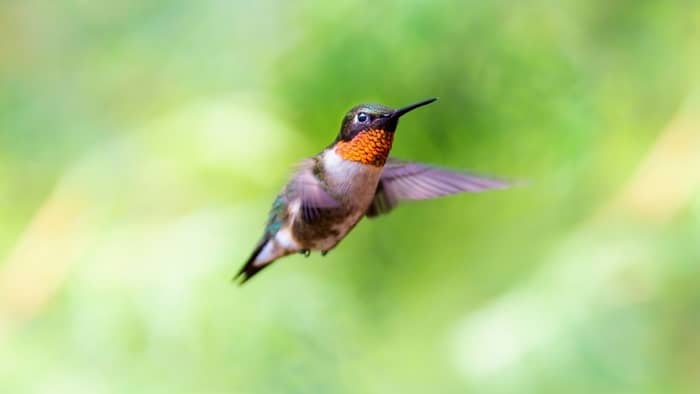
368, 147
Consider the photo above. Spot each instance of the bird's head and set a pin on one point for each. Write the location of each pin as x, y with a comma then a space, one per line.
367, 132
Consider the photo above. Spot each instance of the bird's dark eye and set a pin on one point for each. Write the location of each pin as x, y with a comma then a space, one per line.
362, 117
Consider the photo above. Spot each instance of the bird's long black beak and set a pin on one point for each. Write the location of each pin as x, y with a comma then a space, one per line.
401, 111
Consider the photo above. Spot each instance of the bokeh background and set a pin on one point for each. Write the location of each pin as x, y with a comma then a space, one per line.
141, 144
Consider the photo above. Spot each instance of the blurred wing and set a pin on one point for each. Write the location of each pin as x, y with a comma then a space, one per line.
403, 180
314, 197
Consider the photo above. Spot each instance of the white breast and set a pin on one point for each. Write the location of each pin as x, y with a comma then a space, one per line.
350, 178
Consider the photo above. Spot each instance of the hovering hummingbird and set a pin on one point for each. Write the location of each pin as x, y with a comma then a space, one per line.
352, 178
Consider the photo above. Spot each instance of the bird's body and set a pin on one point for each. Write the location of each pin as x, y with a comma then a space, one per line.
352, 178
352, 185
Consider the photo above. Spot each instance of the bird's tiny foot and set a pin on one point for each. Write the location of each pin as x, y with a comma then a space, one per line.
324, 252
305, 252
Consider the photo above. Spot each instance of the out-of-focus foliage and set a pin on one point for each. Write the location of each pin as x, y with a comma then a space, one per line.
141, 144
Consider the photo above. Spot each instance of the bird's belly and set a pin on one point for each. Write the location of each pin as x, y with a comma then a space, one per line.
334, 224
337, 231
353, 185
331, 226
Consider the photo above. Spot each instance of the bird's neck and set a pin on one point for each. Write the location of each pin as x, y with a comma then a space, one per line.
369, 147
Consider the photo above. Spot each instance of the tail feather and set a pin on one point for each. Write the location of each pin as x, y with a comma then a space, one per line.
249, 269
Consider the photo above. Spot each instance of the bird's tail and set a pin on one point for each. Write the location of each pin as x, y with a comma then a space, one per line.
253, 266
267, 251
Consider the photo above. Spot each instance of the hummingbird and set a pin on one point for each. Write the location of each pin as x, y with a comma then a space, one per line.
352, 178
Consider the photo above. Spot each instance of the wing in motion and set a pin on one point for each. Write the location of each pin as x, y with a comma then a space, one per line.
404, 180
313, 196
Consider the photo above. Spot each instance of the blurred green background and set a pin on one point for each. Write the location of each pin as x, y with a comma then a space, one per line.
141, 144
